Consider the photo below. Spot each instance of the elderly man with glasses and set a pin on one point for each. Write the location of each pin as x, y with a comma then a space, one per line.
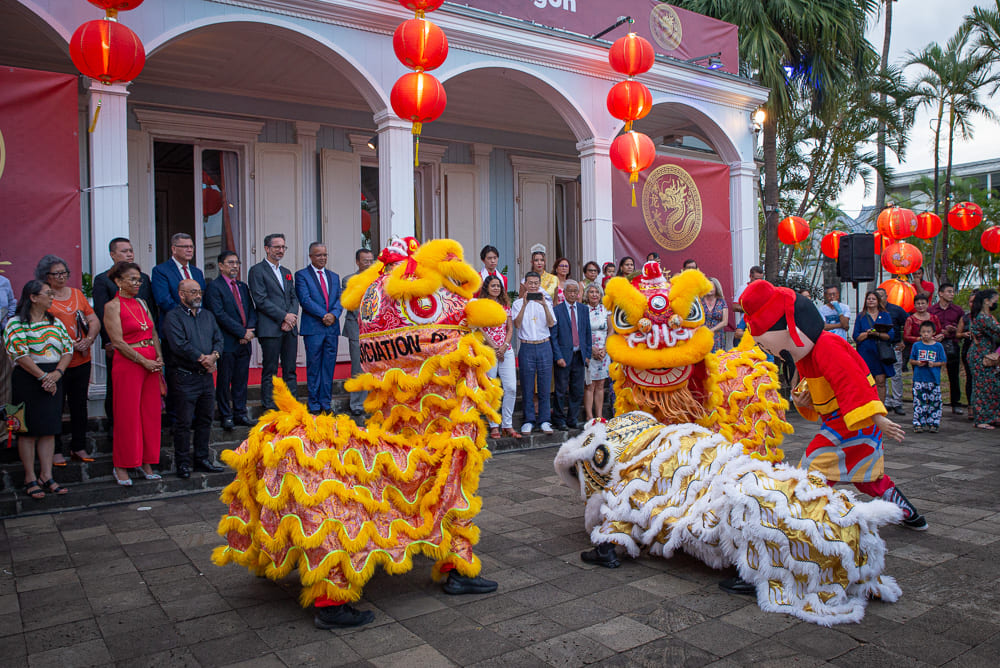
194, 345
166, 276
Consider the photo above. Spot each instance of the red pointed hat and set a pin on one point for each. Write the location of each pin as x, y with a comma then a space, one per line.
764, 304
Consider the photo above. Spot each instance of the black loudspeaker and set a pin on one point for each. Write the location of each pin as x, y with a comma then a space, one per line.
856, 261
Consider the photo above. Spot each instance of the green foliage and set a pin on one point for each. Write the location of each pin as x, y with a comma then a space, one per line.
88, 285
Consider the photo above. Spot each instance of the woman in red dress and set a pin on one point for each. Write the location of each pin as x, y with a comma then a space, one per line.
135, 369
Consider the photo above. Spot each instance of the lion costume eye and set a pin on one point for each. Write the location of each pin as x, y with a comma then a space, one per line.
423, 310
622, 325
695, 316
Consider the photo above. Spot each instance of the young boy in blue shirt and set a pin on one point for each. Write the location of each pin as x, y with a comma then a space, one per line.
927, 358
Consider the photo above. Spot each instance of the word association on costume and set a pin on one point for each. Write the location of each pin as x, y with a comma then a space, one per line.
390, 349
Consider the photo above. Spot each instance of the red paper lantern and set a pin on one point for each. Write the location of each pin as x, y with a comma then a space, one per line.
366, 221
107, 51
211, 201
418, 97
632, 152
793, 230
896, 223
991, 239
901, 258
116, 5
830, 245
422, 5
631, 55
629, 101
899, 293
965, 215
420, 45
928, 226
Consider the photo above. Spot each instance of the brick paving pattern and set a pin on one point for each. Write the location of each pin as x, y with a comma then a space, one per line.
134, 585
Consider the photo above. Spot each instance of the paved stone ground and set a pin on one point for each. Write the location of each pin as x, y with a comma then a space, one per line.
133, 585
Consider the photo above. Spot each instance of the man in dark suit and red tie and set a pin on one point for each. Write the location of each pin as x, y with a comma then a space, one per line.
318, 290
229, 299
273, 293
571, 351
167, 276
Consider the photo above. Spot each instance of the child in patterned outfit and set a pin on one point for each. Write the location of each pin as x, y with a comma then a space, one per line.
927, 358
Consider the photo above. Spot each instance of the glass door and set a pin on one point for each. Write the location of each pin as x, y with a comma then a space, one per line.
219, 208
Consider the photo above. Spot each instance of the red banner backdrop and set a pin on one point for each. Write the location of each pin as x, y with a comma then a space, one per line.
39, 172
672, 31
682, 213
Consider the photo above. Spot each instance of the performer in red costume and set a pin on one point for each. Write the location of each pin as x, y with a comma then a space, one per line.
836, 389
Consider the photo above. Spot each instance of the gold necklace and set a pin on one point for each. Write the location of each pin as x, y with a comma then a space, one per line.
143, 325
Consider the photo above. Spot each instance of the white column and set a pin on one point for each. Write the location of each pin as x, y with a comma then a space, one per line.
743, 207
305, 135
597, 236
108, 167
481, 157
395, 176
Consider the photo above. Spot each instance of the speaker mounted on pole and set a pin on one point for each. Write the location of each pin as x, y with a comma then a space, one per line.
856, 261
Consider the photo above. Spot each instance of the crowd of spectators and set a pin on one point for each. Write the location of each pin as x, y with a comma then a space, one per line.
178, 344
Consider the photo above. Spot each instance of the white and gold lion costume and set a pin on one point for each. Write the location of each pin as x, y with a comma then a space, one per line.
690, 464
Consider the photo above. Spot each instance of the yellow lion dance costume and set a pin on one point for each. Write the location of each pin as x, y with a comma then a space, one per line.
689, 463
334, 499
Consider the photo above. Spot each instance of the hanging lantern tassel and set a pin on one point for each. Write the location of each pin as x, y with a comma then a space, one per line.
417, 127
633, 179
97, 112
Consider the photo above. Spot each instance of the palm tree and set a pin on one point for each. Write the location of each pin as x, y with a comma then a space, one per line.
955, 78
985, 23
811, 47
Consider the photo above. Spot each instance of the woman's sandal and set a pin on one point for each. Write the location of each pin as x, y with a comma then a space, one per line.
512, 433
76, 457
494, 432
985, 425
54, 488
38, 494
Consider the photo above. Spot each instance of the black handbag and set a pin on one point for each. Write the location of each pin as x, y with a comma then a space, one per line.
886, 352
82, 327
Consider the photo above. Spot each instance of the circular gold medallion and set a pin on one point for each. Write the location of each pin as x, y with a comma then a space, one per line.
665, 26
671, 207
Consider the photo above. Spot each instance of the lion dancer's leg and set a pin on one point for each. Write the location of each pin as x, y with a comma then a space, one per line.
460, 564
334, 610
844, 455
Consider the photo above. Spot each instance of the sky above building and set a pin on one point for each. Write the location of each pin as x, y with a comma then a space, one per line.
915, 24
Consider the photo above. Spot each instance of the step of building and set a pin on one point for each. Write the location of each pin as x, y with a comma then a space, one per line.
92, 484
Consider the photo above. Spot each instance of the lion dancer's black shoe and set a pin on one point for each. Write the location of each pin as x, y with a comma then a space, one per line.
911, 518
460, 584
738, 586
602, 555
330, 615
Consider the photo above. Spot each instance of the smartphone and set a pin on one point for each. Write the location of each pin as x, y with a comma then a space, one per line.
534, 296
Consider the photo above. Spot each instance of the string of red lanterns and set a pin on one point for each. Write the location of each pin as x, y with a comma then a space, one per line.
420, 45
896, 223
965, 215
830, 244
106, 50
628, 101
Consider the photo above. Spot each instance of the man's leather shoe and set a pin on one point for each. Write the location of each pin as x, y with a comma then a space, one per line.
602, 555
357, 412
738, 586
243, 421
898, 410
207, 466
341, 617
459, 584
183, 472
228, 424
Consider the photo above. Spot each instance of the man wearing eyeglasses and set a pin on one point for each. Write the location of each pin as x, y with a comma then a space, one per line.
273, 292
194, 345
105, 290
167, 275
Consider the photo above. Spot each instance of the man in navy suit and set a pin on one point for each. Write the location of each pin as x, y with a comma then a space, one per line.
571, 350
167, 276
229, 299
277, 318
318, 290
